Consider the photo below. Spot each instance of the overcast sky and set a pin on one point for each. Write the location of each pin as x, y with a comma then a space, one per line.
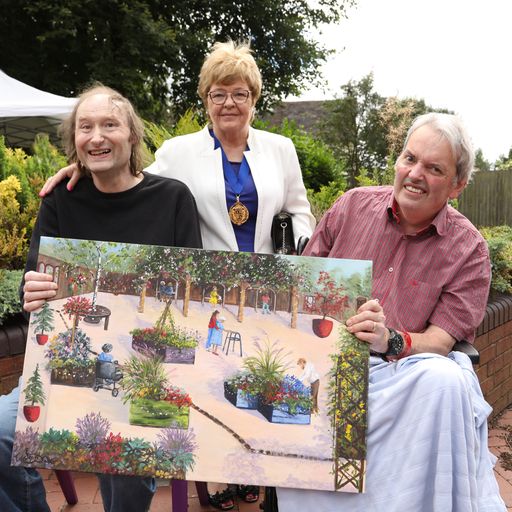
455, 54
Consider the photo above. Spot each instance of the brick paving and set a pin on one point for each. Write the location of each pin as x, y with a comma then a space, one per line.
89, 499
498, 444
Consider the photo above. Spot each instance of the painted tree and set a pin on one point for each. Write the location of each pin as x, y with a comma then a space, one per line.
76, 308
34, 393
330, 298
43, 319
246, 270
94, 255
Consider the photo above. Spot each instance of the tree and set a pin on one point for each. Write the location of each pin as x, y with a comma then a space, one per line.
152, 50
353, 129
481, 164
504, 162
397, 115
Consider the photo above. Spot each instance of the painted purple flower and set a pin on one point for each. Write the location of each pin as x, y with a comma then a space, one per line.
92, 429
26, 447
176, 441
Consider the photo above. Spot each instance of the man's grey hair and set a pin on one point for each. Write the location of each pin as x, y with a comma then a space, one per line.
453, 130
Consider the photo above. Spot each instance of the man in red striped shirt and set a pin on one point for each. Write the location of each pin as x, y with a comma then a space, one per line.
427, 432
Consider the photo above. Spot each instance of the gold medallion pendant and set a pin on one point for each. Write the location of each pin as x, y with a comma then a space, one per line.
238, 213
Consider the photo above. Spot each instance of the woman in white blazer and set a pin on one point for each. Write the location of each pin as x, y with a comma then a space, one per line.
230, 86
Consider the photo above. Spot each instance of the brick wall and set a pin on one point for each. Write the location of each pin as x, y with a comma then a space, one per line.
494, 342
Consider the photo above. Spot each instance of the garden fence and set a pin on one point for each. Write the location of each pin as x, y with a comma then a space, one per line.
486, 201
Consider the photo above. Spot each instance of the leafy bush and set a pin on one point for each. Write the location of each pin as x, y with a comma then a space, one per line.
155, 135
499, 240
21, 178
322, 200
9, 293
13, 225
318, 164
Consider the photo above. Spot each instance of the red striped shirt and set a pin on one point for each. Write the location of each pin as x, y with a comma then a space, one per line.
440, 276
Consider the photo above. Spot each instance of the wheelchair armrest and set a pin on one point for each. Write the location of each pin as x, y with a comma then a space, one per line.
468, 349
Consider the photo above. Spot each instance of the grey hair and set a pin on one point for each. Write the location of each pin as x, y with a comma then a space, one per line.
451, 128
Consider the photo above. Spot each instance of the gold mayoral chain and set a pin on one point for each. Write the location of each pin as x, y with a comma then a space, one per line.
238, 212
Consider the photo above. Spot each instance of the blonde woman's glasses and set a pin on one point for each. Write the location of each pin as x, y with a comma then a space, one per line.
220, 96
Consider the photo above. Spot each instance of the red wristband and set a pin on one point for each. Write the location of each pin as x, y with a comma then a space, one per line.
407, 347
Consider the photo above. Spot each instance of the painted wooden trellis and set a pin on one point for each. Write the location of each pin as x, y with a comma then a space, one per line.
350, 428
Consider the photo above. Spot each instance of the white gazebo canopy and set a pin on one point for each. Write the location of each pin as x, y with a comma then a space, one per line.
26, 111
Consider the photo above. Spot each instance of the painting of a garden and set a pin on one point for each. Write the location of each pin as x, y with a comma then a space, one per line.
205, 365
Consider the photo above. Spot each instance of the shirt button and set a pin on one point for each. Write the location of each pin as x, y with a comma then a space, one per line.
390, 269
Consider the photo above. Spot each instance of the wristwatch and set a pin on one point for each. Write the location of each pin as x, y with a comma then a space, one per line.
395, 345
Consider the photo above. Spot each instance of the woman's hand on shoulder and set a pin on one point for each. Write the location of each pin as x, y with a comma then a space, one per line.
71, 171
38, 288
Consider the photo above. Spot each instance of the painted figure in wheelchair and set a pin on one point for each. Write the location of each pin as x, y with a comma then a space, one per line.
107, 371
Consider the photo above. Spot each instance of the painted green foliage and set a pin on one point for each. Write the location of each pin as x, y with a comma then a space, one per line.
43, 319
34, 393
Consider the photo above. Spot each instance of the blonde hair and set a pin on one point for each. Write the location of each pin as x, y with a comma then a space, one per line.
68, 127
226, 63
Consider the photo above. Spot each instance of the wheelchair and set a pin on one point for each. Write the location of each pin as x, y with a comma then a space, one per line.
107, 373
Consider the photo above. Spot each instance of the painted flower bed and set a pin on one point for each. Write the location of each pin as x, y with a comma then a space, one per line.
68, 361
153, 401
263, 385
238, 396
280, 413
157, 413
172, 344
288, 402
73, 376
93, 447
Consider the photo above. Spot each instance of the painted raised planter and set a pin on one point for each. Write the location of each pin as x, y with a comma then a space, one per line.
280, 413
41, 338
168, 354
79, 377
31, 412
240, 399
157, 413
322, 327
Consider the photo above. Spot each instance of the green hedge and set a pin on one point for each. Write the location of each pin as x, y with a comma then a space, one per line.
499, 240
9, 293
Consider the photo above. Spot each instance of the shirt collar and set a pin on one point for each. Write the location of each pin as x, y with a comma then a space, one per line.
437, 225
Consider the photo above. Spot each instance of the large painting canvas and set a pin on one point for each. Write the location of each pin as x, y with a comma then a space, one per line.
194, 364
